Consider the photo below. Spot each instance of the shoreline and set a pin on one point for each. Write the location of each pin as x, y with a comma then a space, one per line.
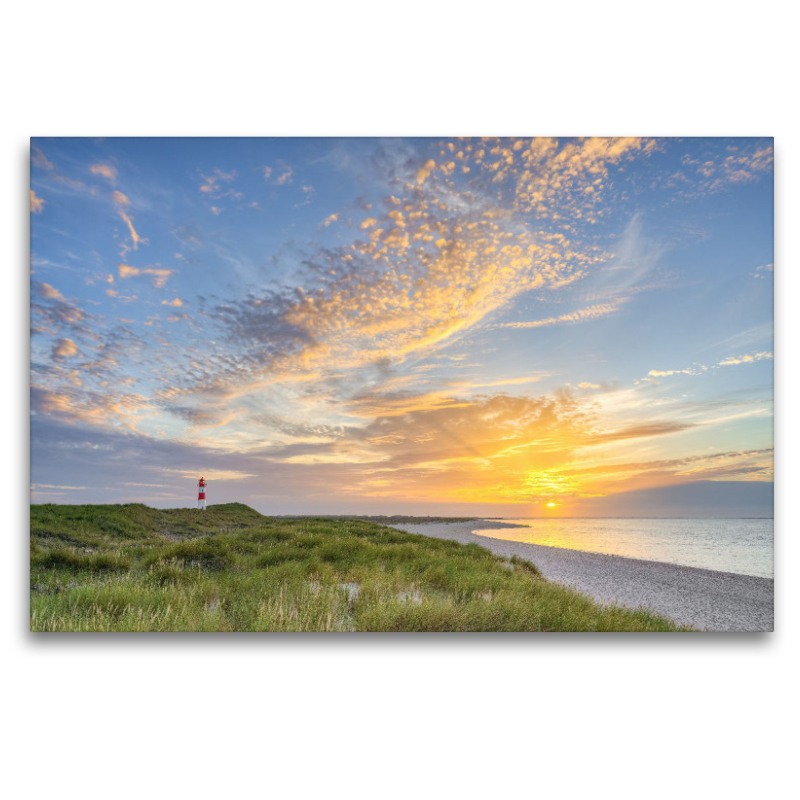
703, 598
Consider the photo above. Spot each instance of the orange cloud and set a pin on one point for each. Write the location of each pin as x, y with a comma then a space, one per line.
37, 204
434, 265
127, 272
48, 292
64, 348
425, 170
329, 220
120, 199
135, 238
106, 170
491, 449
160, 276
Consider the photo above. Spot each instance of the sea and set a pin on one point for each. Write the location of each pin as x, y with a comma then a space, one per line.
743, 546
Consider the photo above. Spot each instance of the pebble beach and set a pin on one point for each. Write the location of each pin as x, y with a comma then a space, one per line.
705, 599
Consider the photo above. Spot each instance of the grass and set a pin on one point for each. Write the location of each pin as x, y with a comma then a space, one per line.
135, 568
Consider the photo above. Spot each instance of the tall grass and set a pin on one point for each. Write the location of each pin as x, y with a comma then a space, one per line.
134, 568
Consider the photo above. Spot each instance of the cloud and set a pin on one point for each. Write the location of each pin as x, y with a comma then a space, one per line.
429, 265
489, 449
503, 382
105, 409
135, 238
642, 431
657, 373
39, 160
160, 276
329, 220
745, 359
698, 369
120, 199
425, 170
392, 404
64, 348
308, 194
38, 486
177, 302
48, 292
212, 475
105, 170
37, 204
721, 168
52, 317
761, 271
211, 182
285, 176
581, 315
571, 176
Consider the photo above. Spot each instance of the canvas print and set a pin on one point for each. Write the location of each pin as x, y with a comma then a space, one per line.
401, 384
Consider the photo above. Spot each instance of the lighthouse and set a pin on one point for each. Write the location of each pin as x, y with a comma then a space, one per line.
201, 494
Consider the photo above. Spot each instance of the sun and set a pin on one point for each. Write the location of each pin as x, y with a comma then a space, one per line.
551, 504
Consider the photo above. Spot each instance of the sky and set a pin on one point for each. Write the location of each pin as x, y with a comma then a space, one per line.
495, 326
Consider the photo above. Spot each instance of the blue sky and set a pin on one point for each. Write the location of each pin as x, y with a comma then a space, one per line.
500, 327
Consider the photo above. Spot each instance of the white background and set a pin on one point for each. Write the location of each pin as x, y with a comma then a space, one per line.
393, 715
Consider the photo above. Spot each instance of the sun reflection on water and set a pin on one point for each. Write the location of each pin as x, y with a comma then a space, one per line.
731, 545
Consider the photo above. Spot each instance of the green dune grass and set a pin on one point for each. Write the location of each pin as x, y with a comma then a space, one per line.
135, 568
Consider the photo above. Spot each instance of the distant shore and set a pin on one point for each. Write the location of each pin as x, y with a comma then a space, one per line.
403, 519
705, 599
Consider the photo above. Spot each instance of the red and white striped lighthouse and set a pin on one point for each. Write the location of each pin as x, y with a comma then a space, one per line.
201, 494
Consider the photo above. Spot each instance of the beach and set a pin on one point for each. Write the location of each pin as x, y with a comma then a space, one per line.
705, 599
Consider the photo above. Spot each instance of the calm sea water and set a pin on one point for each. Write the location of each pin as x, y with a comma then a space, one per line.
730, 545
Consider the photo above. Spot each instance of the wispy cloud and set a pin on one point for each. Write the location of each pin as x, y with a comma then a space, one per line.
211, 183
581, 315
40, 161
658, 373
698, 369
763, 270
135, 238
